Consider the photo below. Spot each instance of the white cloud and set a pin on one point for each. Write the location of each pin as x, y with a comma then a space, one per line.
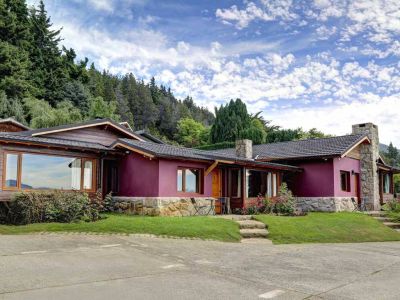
268, 11
338, 119
324, 33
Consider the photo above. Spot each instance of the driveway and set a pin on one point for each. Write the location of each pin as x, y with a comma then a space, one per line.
69, 266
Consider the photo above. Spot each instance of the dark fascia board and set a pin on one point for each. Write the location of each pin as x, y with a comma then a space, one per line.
11, 141
152, 154
91, 123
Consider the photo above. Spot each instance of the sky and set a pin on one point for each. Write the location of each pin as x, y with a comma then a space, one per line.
324, 63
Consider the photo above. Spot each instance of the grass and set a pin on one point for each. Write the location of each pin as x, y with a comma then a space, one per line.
196, 227
394, 215
341, 227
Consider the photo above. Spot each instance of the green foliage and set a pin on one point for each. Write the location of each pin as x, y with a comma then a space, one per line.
41, 114
392, 156
98, 108
392, 206
396, 181
49, 206
11, 107
216, 146
191, 133
255, 132
285, 203
231, 122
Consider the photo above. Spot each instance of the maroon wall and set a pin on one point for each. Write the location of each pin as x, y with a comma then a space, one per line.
138, 176
142, 177
168, 178
315, 181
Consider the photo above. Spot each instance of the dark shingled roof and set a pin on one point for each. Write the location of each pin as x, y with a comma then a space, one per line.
14, 137
148, 137
82, 124
169, 151
303, 149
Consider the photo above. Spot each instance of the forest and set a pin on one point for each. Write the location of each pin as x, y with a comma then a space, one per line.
43, 84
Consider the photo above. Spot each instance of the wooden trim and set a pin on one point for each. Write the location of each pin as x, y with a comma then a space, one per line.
355, 146
211, 168
89, 125
200, 182
134, 150
19, 171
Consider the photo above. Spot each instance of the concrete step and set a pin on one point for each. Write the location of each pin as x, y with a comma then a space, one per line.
383, 219
253, 233
398, 230
376, 213
251, 224
392, 225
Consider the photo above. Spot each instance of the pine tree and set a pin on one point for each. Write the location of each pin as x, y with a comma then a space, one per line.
47, 70
14, 46
393, 155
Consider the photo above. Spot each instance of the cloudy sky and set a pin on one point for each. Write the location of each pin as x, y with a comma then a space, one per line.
323, 63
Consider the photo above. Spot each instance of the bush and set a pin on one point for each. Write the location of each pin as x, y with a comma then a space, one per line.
50, 206
392, 206
285, 203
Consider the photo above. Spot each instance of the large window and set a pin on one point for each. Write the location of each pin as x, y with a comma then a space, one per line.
345, 181
261, 183
43, 172
189, 180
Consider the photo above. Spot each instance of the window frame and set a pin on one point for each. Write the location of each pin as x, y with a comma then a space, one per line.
199, 182
19, 171
348, 181
390, 178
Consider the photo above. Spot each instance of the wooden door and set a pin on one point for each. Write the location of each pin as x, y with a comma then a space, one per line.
216, 188
357, 187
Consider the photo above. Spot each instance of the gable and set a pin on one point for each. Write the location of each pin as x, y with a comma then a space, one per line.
98, 134
355, 153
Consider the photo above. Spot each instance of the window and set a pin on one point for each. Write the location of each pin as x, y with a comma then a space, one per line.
386, 183
345, 181
11, 174
43, 172
189, 180
261, 183
235, 183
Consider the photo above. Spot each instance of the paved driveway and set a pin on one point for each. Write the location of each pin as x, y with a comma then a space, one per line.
129, 267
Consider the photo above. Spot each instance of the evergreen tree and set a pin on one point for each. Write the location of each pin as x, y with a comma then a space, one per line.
101, 109
47, 64
231, 121
11, 108
14, 46
392, 155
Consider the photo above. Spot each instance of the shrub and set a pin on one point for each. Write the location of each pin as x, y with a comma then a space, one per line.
50, 206
392, 206
285, 203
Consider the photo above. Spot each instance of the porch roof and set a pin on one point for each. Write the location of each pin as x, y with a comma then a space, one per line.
176, 152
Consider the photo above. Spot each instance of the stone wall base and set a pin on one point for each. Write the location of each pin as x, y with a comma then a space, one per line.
164, 206
325, 204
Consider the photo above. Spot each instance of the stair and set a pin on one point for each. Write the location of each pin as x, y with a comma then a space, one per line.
382, 217
392, 225
253, 233
251, 224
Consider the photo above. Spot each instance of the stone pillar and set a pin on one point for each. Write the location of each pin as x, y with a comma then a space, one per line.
369, 169
244, 148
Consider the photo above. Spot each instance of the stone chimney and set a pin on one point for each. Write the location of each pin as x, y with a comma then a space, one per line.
369, 170
244, 148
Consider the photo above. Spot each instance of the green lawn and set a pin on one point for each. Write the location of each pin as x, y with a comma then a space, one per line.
198, 227
341, 227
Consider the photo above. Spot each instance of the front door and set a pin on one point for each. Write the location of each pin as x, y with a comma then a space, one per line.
357, 187
111, 177
216, 188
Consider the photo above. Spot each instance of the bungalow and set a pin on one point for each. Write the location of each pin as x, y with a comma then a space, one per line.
104, 156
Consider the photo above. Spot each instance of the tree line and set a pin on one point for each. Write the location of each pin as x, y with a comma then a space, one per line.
42, 84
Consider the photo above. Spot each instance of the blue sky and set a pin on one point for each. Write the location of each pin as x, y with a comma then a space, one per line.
323, 63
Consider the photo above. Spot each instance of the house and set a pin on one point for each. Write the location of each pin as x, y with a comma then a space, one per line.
104, 156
